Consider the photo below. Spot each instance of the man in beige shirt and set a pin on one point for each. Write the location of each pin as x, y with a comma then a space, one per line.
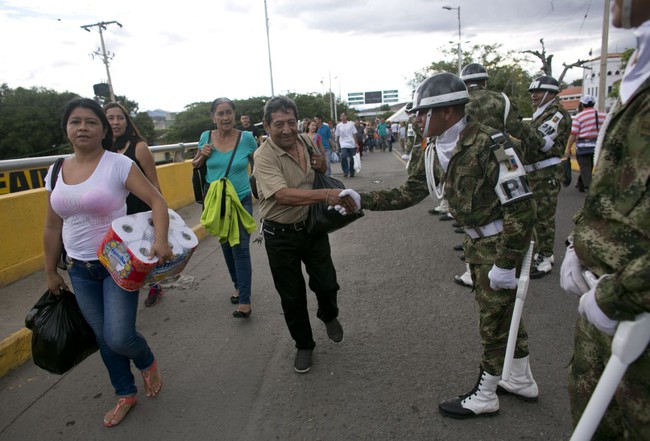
285, 176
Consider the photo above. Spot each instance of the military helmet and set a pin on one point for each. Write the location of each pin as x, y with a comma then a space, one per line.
409, 107
440, 90
545, 83
473, 72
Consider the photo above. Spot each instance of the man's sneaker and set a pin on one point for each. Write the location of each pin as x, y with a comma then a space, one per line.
541, 266
334, 330
155, 293
302, 363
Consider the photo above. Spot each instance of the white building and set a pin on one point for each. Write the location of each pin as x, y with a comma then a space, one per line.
591, 77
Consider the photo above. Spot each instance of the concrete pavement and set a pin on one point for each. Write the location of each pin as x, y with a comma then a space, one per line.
411, 340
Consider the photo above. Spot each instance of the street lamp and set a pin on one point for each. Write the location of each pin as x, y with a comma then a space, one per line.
460, 54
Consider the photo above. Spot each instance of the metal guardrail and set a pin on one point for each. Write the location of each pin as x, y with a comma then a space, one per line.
44, 161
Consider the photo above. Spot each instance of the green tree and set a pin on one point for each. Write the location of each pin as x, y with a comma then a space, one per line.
625, 58
504, 69
145, 126
30, 122
189, 124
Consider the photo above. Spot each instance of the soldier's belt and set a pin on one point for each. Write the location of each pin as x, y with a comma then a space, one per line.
542, 164
494, 227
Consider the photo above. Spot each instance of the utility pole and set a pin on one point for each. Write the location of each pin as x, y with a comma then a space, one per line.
460, 53
602, 83
268, 45
106, 56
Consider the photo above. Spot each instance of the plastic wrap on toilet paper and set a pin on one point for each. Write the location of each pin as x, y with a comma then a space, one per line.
128, 242
174, 218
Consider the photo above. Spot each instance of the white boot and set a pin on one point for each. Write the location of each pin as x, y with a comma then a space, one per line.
465, 279
442, 208
521, 382
480, 400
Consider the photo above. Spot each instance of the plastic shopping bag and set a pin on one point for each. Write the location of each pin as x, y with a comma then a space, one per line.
334, 157
61, 337
357, 162
324, 221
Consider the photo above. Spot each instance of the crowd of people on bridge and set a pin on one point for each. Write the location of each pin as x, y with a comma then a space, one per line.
495, 175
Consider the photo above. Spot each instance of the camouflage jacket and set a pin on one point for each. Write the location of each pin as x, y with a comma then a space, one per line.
532, 155
488, 107
612, 234
470, 182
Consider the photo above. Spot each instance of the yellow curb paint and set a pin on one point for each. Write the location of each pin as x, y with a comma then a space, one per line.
15, 350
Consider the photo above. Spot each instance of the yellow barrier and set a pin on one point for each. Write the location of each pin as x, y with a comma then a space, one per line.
23, 219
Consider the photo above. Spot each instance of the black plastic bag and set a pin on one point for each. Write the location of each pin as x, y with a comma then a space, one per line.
198, 183
566, 172
61, 337
324, 221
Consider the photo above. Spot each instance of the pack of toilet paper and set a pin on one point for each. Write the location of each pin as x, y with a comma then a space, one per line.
128, 242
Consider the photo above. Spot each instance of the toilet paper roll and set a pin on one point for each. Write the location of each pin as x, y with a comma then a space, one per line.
185, 237
130, 228
175, 220
141, 249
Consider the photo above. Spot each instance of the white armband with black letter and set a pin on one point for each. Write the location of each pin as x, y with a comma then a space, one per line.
512, 185
549, 127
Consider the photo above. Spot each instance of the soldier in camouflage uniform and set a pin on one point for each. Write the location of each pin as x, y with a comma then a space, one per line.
544, 166
612, 240
488, 195
493, 109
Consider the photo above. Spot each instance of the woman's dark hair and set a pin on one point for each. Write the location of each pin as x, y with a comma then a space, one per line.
278, 103
131, 133
87, 103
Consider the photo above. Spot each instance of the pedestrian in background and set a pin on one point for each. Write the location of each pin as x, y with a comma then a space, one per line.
128, 141
328, 141
346, 134
90, 193
611, 240
584, 133
216, 148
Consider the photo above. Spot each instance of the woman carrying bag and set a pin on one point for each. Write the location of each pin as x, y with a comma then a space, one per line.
228, 205
90, 193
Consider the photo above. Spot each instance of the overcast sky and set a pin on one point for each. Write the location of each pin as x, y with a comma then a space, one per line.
170, 54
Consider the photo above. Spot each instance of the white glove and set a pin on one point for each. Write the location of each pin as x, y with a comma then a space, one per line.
590, 310
354, 195
571, 279
338, 208
502, 278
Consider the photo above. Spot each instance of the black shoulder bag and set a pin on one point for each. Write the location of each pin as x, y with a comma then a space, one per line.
198, 179
55, 174
321, 220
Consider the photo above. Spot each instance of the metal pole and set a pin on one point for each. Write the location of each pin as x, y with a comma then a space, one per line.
105, 60
332, 106
104, 54
268, 44
602, 83
460, 53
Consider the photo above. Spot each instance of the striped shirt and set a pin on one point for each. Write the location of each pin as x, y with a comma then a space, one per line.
585, 129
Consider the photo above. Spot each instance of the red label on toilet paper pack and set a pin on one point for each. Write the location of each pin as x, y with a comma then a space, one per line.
127, 270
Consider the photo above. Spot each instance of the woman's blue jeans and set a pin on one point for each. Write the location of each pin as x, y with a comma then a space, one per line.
238, 258
111, 312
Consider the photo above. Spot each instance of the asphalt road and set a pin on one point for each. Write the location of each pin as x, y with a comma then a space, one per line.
411, 340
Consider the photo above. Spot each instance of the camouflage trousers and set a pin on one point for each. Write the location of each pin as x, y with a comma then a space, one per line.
495, 314
545, 184
628, 415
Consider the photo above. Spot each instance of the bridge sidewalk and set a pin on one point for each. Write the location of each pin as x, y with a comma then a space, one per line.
17, 299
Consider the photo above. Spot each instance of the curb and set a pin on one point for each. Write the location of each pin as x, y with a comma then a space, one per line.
17, 348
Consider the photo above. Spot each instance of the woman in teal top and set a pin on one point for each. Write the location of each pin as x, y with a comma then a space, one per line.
215, 150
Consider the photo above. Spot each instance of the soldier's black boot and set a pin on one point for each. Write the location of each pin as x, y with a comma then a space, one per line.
482, 400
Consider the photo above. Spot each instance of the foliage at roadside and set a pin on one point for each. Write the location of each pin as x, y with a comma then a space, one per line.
504, 69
